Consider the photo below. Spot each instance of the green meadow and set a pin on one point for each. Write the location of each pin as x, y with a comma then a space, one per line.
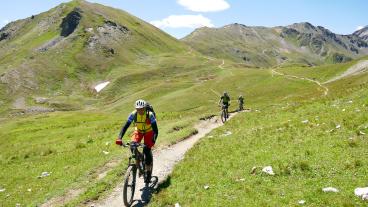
312, 144
71, 144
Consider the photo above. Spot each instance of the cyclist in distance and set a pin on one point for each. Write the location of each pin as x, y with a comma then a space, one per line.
225, 100
241, 102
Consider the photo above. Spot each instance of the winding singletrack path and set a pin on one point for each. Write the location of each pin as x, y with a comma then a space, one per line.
164, 161
325, 89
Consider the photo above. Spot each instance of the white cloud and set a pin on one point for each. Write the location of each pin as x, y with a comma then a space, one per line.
204, 5
359, 27
183, 21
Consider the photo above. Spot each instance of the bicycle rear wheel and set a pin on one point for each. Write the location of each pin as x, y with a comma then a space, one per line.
129, 185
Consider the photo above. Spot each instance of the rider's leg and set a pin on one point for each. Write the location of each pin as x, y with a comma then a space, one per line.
136, 137
148, 141
149, 161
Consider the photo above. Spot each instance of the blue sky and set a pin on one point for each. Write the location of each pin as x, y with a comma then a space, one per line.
180, 17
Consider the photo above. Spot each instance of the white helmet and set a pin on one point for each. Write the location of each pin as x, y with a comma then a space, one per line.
139, 104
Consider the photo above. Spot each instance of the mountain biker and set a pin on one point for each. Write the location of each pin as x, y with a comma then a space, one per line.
225, 100
241, 102
145, 127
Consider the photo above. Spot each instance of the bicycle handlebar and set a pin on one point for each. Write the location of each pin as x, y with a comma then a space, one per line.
134, 144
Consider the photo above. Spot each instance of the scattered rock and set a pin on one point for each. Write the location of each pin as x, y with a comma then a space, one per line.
44, 174
206, 187
279, 129
29, 189
89, 30
350, 101
38, 109
268, 170
107, 143
177, 205
330, 189
338, 126
305, 121
17, 205
301, 202
2, 190
227, 133
105, 152
361, 133
343, 110
240, 180
41, 100
362, 193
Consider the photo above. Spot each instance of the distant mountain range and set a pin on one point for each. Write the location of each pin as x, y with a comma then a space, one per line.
300, 43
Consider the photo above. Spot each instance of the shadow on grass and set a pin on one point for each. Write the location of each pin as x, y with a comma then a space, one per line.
147, 192
164, 185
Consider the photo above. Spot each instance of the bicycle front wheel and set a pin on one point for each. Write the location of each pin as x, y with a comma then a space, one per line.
129, 185
223, 116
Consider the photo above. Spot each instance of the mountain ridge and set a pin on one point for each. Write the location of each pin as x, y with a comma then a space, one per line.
301, 43
72, 47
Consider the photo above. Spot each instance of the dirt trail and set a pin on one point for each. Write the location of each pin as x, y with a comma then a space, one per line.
164, 162
222, 64
303, 78
360, 67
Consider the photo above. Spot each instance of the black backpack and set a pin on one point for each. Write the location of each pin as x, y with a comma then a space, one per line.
149, 108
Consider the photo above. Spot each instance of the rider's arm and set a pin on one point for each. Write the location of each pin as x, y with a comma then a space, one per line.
220, 100
126, 126
154, 126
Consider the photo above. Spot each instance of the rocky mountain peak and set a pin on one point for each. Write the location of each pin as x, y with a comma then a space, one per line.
303, 27
362, 33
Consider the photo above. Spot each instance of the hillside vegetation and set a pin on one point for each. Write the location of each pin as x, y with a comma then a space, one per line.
57, 133
67, 51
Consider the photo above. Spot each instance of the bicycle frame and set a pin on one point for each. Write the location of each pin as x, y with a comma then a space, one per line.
138, 157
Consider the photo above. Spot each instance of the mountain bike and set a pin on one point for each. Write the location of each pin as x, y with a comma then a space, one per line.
136, 164
241, 108
224, 113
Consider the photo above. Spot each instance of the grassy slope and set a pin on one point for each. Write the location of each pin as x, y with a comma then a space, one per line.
74, 141
70, 68
321, 73
305, 157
